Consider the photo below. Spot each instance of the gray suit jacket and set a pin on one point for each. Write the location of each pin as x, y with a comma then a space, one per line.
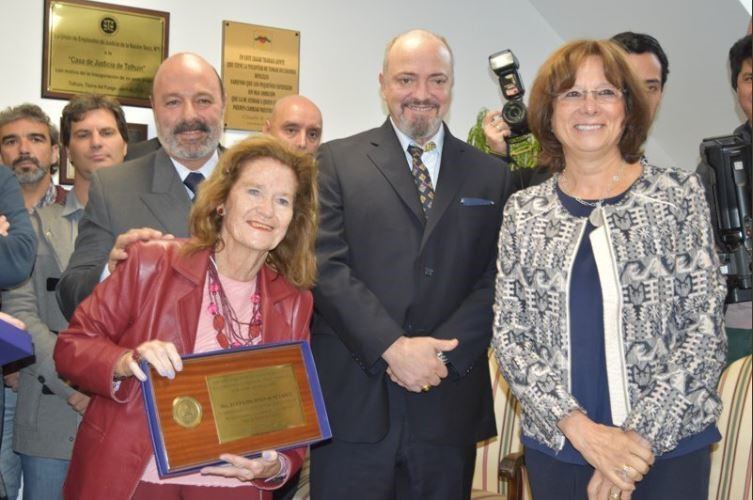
45, 425
146, 192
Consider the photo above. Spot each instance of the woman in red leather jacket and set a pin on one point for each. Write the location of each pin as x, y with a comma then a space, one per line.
242, 279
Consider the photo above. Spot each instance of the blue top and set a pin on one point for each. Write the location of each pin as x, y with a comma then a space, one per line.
588, 362
18, 250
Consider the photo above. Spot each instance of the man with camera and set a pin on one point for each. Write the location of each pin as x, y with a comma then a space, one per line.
732, 240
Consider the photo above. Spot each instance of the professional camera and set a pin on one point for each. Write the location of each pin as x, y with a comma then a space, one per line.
730, 160
522, 146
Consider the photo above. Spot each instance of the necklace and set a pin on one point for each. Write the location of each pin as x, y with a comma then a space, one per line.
595, 217
225, 321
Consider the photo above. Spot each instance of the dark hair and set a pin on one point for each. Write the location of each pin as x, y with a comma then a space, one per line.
738, 54
75, 110
641, 43
30, 112
558, 73
294, 257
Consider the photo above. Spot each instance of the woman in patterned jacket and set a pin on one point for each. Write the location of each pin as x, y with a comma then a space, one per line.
608, 312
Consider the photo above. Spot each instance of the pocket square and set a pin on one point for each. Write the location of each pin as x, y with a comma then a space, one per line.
475, 202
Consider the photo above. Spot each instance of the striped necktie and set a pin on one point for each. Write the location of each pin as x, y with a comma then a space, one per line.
421, 176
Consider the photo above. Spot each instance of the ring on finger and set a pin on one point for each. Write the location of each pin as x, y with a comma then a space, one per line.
627, 472
614, 494
425, 388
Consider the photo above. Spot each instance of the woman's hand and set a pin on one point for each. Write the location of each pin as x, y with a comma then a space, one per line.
600, 488
623, 458
267, 465
496, 130
163, 356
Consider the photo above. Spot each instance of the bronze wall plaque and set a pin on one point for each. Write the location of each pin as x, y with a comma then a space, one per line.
92, 47
239, 401
260, 65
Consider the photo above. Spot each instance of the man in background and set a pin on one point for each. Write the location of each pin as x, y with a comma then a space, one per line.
296, 121
739, 316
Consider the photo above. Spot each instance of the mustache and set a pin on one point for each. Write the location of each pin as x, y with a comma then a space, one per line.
23, 158
191, 126
425, 102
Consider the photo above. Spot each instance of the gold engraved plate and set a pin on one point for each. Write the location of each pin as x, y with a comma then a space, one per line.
187, 411
258, 401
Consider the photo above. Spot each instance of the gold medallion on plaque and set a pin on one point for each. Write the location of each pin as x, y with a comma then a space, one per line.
187, 411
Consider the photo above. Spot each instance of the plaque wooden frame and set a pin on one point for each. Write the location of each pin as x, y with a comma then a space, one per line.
180, 450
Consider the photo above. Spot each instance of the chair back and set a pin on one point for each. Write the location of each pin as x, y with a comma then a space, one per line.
731, 457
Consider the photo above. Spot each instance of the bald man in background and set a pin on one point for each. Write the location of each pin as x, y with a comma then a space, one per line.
296, 121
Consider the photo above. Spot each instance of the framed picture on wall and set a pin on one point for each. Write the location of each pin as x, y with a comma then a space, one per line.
136, 132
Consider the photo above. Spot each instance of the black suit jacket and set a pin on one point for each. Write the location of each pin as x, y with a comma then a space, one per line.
384, 272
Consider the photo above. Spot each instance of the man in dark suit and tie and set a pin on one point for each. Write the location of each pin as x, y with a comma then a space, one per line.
406, 250
150, 196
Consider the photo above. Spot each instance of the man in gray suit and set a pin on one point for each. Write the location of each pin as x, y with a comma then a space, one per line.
48, 410
151, 196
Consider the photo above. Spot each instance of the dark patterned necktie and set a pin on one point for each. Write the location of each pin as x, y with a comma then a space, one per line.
192, 182
421, 176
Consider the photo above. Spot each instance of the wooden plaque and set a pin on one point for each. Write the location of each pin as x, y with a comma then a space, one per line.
240, 401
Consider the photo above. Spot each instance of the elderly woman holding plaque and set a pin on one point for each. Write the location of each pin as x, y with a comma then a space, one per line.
608, 311
242, 280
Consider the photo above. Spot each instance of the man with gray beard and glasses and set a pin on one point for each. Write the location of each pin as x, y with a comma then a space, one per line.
152, 196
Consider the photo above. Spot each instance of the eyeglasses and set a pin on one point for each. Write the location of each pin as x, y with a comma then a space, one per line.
605, 95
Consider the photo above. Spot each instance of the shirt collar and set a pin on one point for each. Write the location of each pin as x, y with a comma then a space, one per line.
405, 141
206, 169
72, 205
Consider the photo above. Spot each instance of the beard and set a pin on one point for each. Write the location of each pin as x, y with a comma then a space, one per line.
24, 176
419, 127
194, 150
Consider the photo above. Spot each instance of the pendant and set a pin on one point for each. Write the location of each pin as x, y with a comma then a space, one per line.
254, 331
218, 322
222, 340
596, 218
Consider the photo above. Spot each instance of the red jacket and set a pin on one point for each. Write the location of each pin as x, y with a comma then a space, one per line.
155, 294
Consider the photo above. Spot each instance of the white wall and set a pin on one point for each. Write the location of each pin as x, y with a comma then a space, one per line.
342, 43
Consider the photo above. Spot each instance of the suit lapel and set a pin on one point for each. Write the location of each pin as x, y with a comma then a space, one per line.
56, 230
390, 160
168, 200
452, 174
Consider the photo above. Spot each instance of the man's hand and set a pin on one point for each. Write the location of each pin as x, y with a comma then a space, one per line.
496, 130
79, 402
11, 380
118, 252
4, 226
413, 362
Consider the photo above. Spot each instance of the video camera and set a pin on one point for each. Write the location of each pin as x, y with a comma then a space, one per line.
730, 159
522, 146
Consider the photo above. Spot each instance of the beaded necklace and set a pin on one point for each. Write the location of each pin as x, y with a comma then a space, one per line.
230, 329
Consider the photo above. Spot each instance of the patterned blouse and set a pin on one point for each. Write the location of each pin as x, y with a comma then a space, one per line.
663, 296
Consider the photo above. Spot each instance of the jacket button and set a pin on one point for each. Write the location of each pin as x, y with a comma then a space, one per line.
428, 272
41, 379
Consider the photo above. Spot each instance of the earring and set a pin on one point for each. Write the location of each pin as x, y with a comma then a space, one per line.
220, 211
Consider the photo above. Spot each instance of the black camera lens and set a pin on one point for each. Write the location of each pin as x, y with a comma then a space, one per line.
514, 113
